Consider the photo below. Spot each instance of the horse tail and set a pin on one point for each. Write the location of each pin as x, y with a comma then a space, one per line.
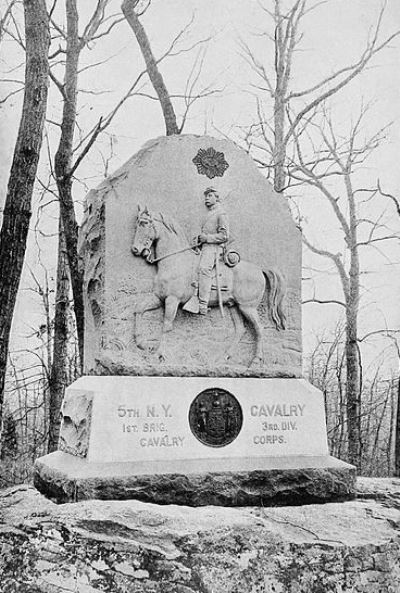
277, 293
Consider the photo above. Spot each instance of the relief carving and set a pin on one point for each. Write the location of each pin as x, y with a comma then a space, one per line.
130, 308
76, 421
210, 162
196, 275
215, 417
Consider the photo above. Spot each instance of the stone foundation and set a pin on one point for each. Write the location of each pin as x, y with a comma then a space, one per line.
222, 482
130, 546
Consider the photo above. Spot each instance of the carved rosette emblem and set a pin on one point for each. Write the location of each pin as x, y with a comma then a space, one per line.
210, 162
215, 417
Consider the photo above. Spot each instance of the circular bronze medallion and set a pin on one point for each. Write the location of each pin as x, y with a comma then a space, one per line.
215, 417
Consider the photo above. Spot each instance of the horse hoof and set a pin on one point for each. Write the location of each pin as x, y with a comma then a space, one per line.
257, 361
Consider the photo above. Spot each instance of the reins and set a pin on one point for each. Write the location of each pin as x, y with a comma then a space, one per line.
150, 260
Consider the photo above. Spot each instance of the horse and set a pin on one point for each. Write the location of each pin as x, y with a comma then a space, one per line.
177, 263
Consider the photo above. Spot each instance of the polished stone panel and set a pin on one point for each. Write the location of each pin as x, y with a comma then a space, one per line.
147, 418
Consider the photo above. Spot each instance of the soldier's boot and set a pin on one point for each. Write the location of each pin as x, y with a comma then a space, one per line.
204, 293
203, 308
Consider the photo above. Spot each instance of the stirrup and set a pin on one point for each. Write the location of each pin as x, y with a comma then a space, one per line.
192, 305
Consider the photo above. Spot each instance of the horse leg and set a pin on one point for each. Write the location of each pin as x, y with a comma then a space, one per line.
149, 303
239, 331
170, 308
251, 314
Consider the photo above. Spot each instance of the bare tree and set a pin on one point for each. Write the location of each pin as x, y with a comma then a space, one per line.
397, 430
59, 354
271, 136
395, 201
69, 270
338, 159
133, 10
132, 16
17, 210
326, 369
67, 160
64, 167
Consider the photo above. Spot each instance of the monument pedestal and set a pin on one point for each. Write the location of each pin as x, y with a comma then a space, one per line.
194, 441
243, 481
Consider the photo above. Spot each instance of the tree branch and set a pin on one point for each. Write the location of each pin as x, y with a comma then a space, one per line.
324, 302
395, 200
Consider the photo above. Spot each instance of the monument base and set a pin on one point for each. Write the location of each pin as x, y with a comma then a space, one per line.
265, 481
194, 441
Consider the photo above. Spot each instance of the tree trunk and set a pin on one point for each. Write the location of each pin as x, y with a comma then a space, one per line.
17, 210
58, 371
353, 376
279, 145
279, 154
397, 435
62, 167
353, 387
171, 126
353, 396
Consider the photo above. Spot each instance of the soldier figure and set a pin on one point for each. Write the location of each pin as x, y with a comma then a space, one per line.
213, 237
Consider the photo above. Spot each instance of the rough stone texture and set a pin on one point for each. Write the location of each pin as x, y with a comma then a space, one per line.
223, 482
163, 176
134, 547
76, 422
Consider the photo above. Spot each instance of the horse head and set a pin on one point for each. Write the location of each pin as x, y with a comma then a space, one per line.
145, 233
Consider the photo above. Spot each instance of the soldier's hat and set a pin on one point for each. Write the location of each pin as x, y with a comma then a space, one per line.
211, 190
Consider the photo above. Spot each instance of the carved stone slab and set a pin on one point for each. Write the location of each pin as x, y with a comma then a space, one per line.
166, 418
169, 175
76, 422
197, 441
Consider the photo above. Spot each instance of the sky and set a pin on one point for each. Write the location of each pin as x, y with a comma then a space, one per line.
334, 36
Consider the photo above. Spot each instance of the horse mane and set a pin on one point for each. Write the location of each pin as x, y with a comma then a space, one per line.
172, 226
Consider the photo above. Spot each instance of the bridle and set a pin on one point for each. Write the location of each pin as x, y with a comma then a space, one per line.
153, 260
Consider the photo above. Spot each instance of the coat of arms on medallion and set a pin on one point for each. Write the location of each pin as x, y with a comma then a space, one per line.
215, 417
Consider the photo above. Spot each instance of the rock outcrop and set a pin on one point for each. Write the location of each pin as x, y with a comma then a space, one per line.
132, 547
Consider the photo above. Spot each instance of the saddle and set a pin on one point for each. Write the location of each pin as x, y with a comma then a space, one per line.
225, 277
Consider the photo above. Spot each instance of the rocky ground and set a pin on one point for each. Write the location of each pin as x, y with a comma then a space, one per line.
132, 547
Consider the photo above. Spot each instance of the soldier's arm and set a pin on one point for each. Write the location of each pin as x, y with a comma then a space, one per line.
222, 234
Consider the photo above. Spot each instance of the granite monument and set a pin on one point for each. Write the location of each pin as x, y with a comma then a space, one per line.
193, 391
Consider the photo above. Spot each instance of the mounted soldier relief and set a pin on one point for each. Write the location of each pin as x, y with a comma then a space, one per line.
183, 277
193, 341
